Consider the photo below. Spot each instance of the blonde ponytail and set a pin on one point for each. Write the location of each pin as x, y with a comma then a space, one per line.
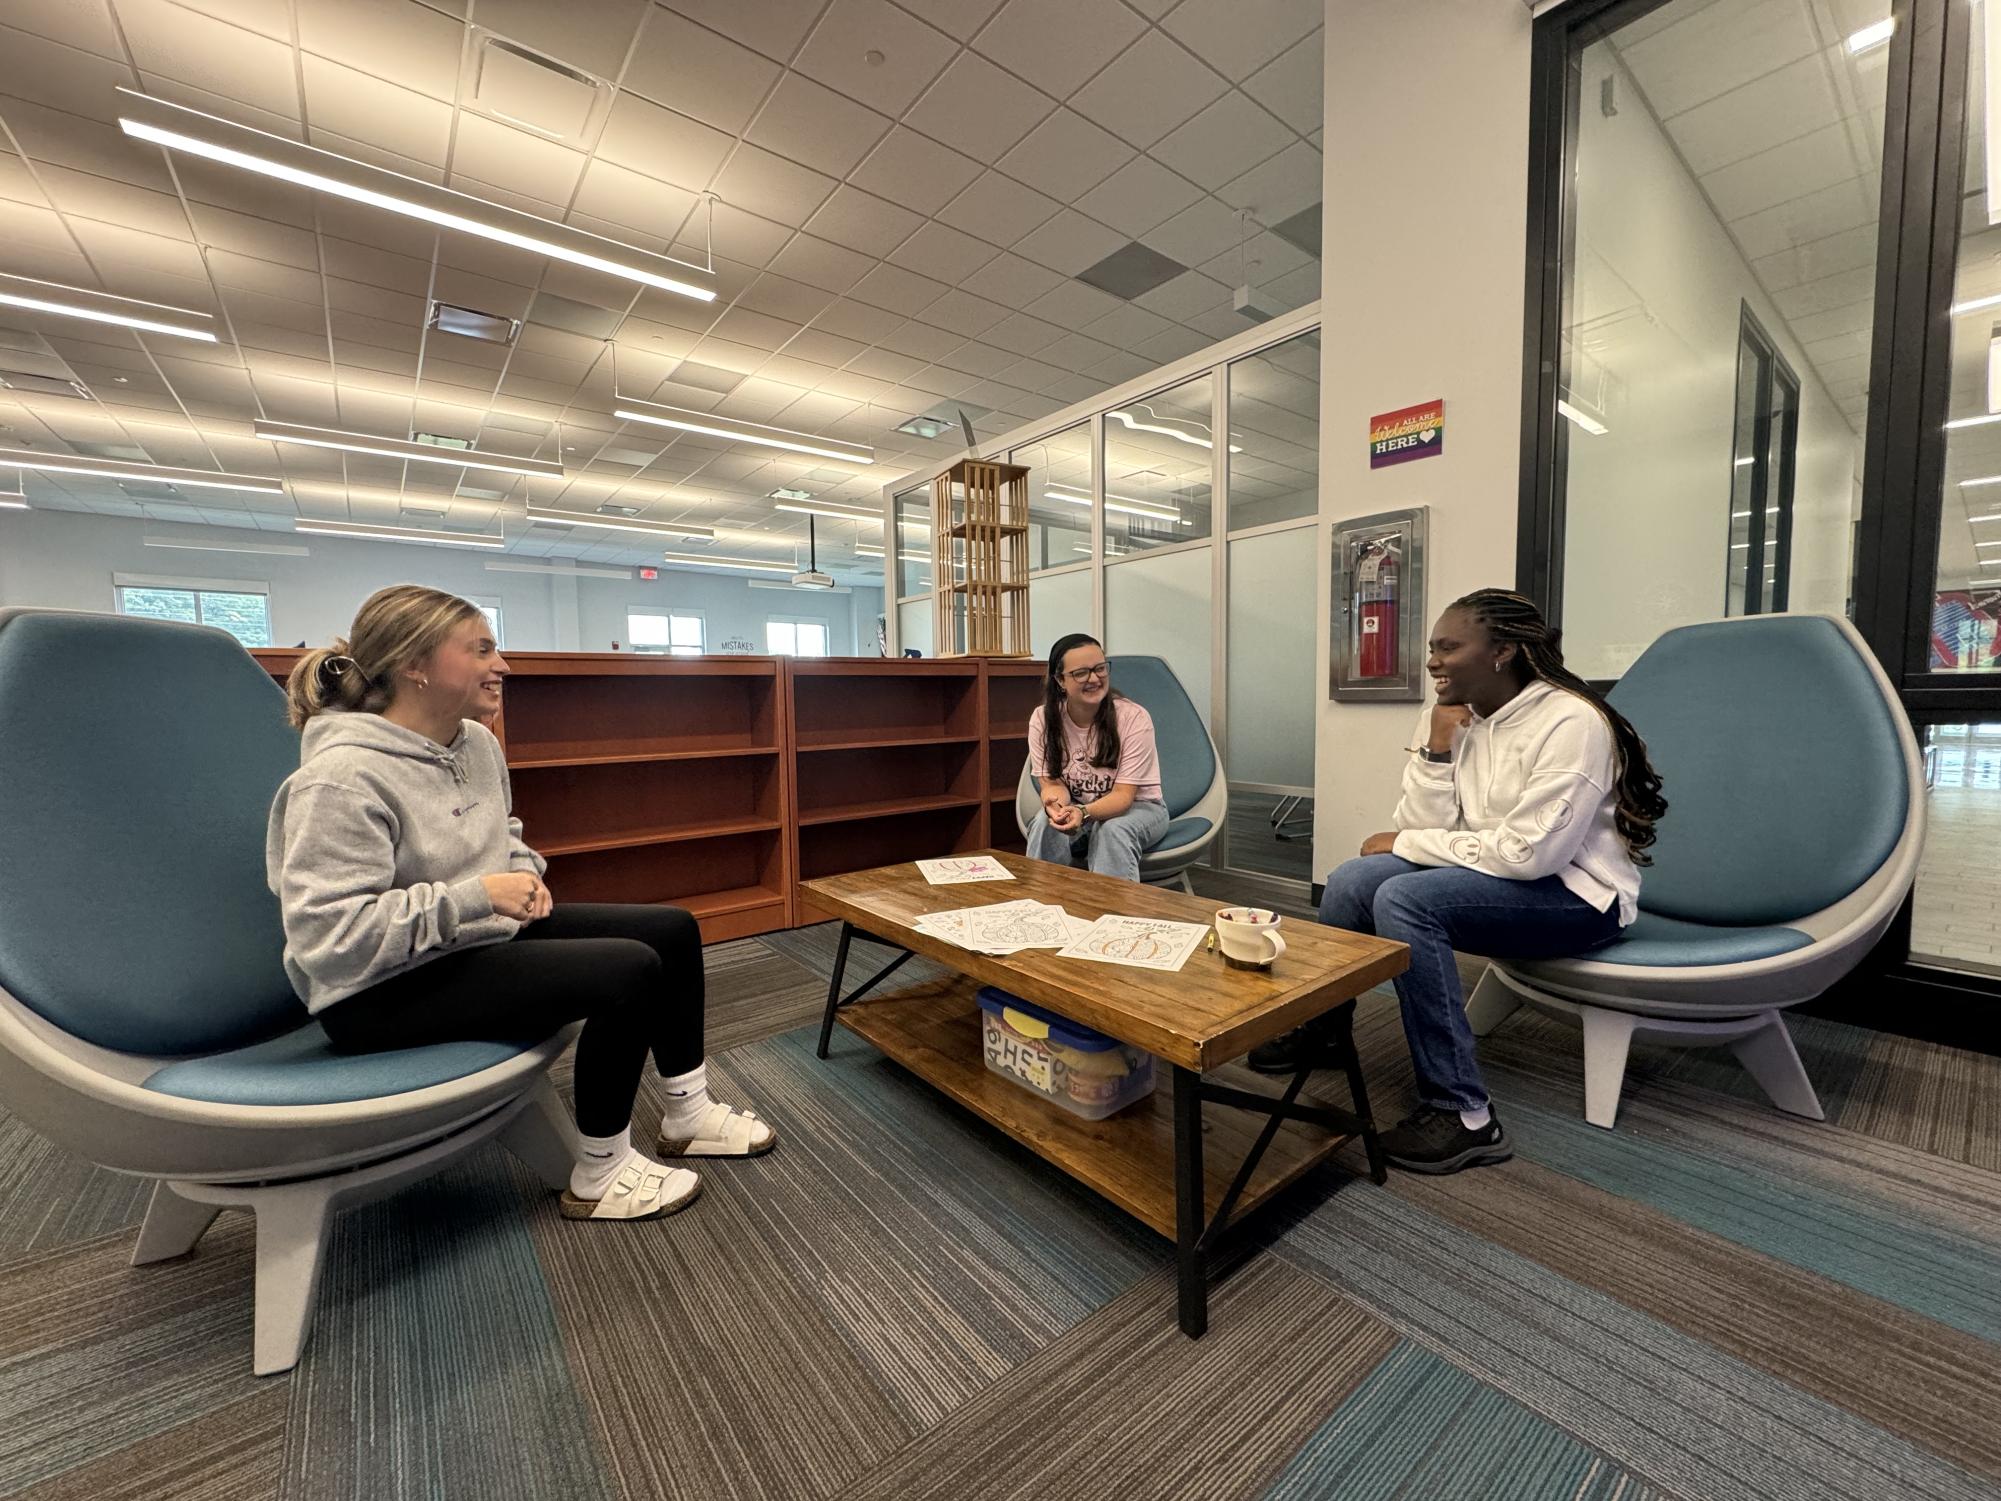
395, 629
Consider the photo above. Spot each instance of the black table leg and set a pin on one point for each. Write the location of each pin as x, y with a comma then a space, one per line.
834, 986
1351, 1064
1190, 1213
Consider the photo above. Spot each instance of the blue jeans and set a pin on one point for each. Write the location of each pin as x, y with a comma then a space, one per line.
1111, 848
1436, 909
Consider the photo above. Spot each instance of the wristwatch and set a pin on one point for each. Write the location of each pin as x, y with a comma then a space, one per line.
1437, 758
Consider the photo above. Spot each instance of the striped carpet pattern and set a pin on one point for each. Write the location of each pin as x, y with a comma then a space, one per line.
1713, 1301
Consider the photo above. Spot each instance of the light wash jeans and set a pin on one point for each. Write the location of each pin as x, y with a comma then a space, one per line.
1435, 909
1111, 848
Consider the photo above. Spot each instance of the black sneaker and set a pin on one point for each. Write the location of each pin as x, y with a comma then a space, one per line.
1433, 1141
1291, 1051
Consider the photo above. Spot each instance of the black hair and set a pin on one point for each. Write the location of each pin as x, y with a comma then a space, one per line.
1104, 727
1510, 617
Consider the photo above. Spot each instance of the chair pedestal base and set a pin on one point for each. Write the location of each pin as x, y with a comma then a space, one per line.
1760, 1041
293, 1218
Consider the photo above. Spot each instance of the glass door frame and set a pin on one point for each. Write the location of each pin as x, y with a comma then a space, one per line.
1895, 553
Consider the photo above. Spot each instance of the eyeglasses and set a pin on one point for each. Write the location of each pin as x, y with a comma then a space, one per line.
1085, 674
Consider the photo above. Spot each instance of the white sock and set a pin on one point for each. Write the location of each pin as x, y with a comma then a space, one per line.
687, 1103
1476, 1120
598, 1158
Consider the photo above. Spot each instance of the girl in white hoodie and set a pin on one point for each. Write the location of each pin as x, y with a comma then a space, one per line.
1528, 804
415, 912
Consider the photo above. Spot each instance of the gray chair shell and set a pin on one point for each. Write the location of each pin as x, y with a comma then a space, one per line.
1191, 772
146, 1023
1795, 823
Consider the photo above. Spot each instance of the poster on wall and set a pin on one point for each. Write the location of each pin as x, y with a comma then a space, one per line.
1414, 433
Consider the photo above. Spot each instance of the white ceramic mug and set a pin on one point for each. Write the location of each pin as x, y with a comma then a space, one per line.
1249, 937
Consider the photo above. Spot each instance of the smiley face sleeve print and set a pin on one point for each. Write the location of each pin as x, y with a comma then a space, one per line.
1564, 795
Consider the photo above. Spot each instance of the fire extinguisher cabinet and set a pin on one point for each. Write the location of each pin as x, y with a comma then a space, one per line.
1379, 620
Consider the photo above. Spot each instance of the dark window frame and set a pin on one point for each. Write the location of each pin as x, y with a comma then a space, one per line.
1774, 371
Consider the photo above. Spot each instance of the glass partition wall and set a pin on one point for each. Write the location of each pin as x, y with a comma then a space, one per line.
1178, 517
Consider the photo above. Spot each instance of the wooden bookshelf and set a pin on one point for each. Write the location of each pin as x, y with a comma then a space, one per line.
1011, 691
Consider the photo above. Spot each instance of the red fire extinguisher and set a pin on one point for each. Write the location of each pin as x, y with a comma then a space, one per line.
1376, 612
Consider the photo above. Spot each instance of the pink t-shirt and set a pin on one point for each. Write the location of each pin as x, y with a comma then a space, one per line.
1139, 762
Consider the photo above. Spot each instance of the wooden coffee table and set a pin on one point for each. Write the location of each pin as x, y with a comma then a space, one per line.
1150, 1159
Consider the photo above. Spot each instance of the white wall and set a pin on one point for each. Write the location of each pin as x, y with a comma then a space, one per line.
1659, 285
1426, 188
66, 559
1270, 659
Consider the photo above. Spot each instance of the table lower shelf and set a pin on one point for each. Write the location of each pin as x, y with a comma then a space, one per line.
933, 1029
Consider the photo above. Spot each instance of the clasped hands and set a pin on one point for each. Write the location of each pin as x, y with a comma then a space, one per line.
519, 894
1064, 816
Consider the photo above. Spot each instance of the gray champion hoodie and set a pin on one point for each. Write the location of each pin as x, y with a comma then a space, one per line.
377, 846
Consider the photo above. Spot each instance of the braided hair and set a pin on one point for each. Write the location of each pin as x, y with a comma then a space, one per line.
1510, 617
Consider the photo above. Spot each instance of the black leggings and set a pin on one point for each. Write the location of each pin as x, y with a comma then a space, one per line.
631, 974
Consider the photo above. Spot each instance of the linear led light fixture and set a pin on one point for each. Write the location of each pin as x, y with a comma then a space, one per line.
102, 307
12, 497
1870, 36
581, 570
165, 474
648, 528
179, 128
1985, 479
905, 555
828, 508
1990, 516
751, 563
1136, 425
371, 533
1590, 424
1994, 369
402, 448
1976, 305
217, 544
710, 425
1980, 421
1992, 29
1130, 505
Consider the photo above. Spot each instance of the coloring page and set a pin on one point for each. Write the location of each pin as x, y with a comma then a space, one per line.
964, 868
1139, 942
1028, 926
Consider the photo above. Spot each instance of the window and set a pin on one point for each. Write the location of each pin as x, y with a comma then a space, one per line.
1761, 475
1059, 498
1159, 457
913, 542
493, 623
789, 637
242, 610
1275, 434
679, 633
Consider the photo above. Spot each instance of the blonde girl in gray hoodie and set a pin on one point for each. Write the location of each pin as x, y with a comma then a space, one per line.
415, 912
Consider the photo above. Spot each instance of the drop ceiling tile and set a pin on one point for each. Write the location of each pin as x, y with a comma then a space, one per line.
81, 26
1806, 165
823, 348
1127, 327
1198, 233
820, 263
922, 341
959, 18
1188, 294
1290, 84
1139, 196
1813, 216
1012, 280
619, 195
1058, 44
774, 27
1220, 322
781, 297
1258, 260
1151, 88
915, 171
1241, 36
255, 192
488, 151
82, 195
1065, 156
1717, 48
1022, 334
1278, 187
862, 222
1766, 112
858, 320
741, 236
1069, 243
660, 143
49, 135
388, 39
354, 104
961, 312
885, 364
1298, 287
773, 187
175, 45
700, 73
898, 290
998, 209
592, 37
53, 76
812, 124
837, 55
942, 252
976, 108
1226, 140
1075, 353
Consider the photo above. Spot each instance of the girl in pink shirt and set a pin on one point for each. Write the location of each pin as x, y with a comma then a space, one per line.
1092, 754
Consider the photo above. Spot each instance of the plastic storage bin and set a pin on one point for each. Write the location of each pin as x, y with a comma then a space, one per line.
1086, 1072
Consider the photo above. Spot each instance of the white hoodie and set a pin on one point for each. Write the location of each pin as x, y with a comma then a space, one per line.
1530, 792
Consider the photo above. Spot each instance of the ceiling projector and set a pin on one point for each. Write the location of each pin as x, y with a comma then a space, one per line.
812, 580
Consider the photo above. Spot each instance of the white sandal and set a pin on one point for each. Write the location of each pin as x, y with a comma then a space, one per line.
639, 1190
726, 1132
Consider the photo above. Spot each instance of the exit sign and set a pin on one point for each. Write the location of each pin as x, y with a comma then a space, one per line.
649, 573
